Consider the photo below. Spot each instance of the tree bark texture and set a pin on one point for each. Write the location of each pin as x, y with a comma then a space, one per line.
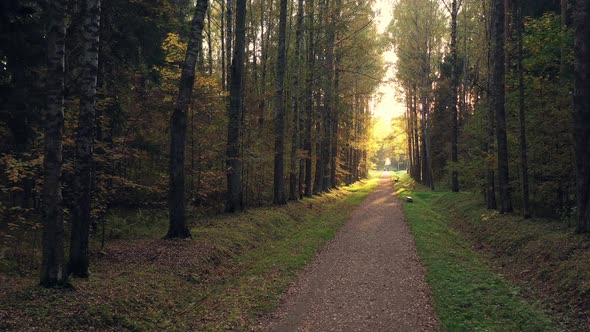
581, 114
279, 196
52, 267
81, 213
234, 202
498, 101
176, 196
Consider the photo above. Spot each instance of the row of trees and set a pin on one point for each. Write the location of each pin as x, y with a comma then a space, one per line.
488, 87
164, 103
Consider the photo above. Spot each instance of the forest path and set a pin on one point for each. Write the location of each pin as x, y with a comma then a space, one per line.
368, 278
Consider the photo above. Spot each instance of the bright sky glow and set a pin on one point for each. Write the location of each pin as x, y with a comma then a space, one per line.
386, 104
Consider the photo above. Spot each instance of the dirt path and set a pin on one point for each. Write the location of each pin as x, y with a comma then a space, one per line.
369, 278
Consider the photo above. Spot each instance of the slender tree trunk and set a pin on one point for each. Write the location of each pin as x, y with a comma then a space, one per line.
454, 87
279, 180
409, 134
417, 148
335, 101
564, 7
296, 102
53, 268
335, 123
328, 99
81, 213
498, 100
234, 164
209, 43
229, 21
581, 114
222, 32
317, 183
176, 194
310, 64
490, 177
524, 166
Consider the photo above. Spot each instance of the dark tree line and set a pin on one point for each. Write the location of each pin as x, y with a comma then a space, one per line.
504, 88
171, 104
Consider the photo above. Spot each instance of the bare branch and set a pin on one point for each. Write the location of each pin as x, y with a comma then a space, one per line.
446, 5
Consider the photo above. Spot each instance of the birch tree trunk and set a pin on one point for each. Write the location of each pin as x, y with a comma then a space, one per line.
176, 200
81, 213
52, 267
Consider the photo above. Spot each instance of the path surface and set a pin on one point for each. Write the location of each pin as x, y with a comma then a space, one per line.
368, 278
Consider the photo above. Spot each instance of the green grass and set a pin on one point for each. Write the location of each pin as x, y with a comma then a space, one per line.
232, 271
468, 294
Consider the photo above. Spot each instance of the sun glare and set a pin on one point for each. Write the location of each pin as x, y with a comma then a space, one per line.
386, 104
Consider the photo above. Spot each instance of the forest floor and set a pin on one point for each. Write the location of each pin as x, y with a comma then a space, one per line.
233, 270
478, 270
368, 278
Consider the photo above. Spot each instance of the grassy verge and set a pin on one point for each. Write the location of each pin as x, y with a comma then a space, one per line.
231, 271
543, 256
468, 294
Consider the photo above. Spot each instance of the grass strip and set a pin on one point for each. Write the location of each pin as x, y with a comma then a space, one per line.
468, 294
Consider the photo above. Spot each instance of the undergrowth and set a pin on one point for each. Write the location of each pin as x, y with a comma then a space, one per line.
233, 270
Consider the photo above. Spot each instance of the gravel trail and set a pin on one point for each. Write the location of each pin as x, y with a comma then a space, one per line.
368, 278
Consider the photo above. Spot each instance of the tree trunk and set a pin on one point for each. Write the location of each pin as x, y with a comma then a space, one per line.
52, 269
81, 213
234, 201
176, 199
335, 101
222, 32
498, 99
490, 191
209, 43
296, 102
279, 164
454, 87
524, 165
328, 99
581, 114
228, 38
317, 182
310, 64
334, 143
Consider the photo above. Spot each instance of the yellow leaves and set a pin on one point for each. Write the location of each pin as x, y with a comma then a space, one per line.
17, 170
174, 48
